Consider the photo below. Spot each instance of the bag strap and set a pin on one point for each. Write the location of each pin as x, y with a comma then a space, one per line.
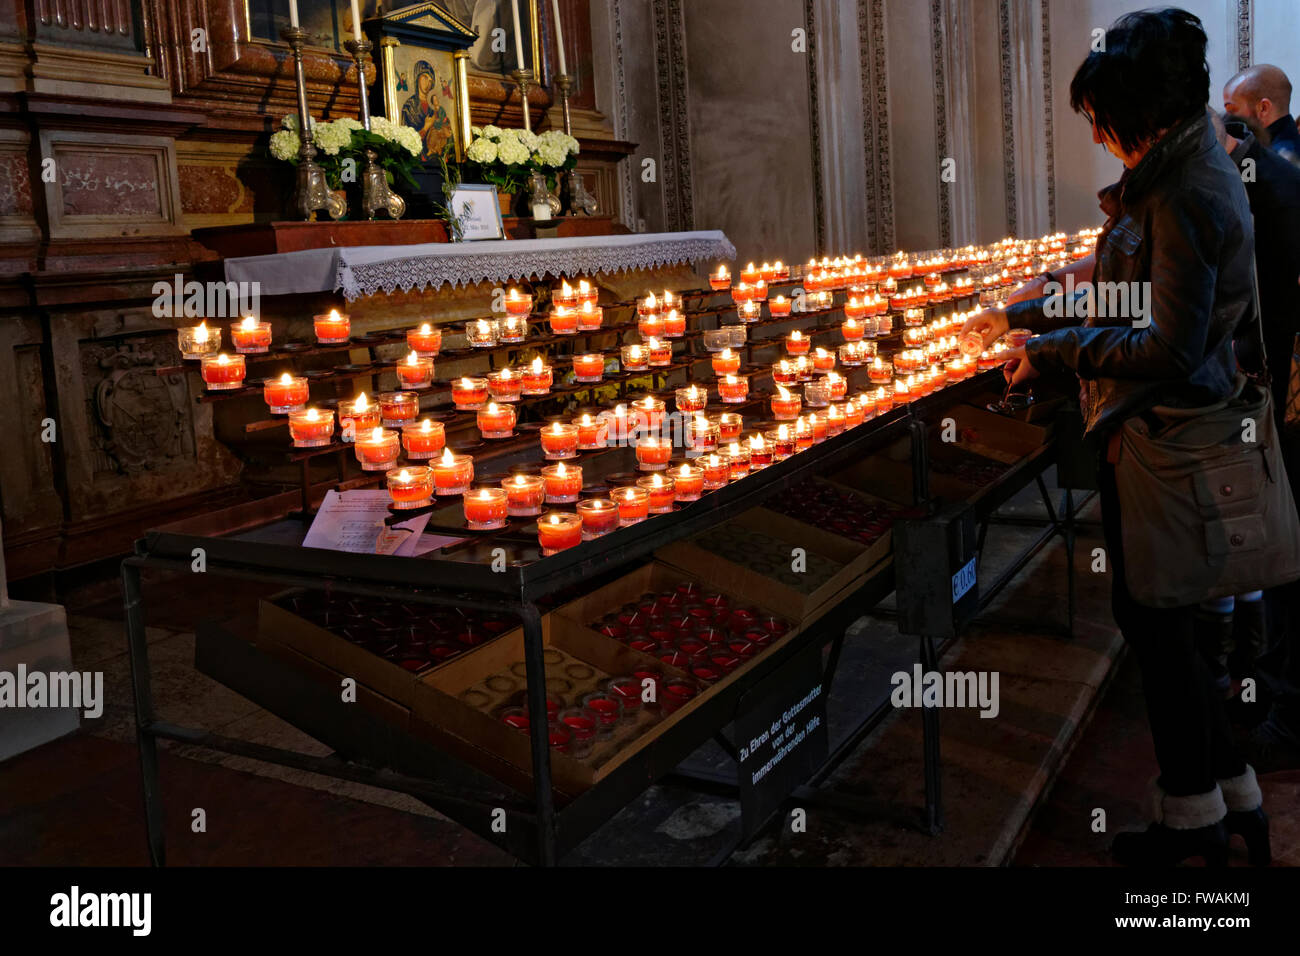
1264, 377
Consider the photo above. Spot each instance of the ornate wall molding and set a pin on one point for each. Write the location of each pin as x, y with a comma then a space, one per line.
1245, 40
938, 44
815, 127
1049, 130
1005, 54
876, 140
674, 116
621, 126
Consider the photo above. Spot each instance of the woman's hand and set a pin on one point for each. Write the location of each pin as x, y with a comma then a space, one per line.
1033, 289
1017, 368
991, 325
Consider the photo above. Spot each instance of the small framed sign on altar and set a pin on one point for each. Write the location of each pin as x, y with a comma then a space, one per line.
479, 212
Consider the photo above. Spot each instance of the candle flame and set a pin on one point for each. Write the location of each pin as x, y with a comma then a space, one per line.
312, 415
360, 404
447, 458
756, 442
782, 432
554, 518
586, 419
731, 380
583, 286
492, 408
560, 470
795, 335
223, 359
466, 383
537, 365
334, 315
657, 481
201, 332
286, 379
734, 449
425, 328
412, 359
249, 323
377, 434
403, 475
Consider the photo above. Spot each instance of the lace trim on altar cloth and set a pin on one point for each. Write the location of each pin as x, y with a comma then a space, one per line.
421, 272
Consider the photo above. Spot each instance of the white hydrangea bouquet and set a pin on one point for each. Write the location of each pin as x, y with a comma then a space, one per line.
341, 145
506, 158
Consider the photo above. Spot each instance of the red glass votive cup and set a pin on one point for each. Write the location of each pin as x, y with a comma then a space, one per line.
250, 337
311, 428
423, 439
222, 372
525, 495
452, 473
661, 491
398, 408
496, 421
563, 483
485, 508
410, 486
633, 504
559, 441
377, 449
414, 371
332, 328
285, 394
653, 454
593, 432
688, 482
589, 367
425, 341
599, 517
733, 390
505, 385
557, 531
469, 394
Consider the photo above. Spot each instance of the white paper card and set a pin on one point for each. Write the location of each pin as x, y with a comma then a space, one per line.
354, 521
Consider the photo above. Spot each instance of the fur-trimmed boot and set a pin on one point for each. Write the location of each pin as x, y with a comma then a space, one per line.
1246, 816
1184, 827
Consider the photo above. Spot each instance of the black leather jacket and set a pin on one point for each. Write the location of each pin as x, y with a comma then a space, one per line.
1179, 220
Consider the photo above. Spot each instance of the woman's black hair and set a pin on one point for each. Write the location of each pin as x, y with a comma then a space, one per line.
1151, 75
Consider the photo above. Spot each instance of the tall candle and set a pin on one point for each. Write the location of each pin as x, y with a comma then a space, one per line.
519, 35
293, 13
356, 21
559, 35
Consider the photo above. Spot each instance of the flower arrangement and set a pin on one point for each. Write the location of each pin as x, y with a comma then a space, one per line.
341, 145
506, 158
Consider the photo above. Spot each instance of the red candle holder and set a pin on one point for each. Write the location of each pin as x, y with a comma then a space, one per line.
538, 378
737, 461
250, 336
512, 329
649, 412
760, 452
660, 353
733, 390
559, 441
608, 710
592, 432
564, 321
688, 482
469, 394
452, 473
590, 317
1016, 338
485, 509
504, 385
819, 428
634, 358
589, 367
332, 328
633, 504
356, 416
717, 472
627, 691
398, 408
496, 421
414, 372
564, 296
311, 428
377, 449
650, 326
701, 436
822, 360
677, 693
581, 725
524, 495
648, 306
725, 362
786, 405
781, 439
779, 307
285, 394
796, 343
730, 425
881, 371
720, 280
599, 517
662, 492
425, 341
518, 303
674, 324
691, 399
222, 372
854, 413
587, 293
653, 454
563, 483
558, 531
784, 373
837, 385
423, 439
410, 487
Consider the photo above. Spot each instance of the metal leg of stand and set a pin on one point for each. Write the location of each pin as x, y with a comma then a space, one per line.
539, 735
930, 737
920, 463
1070, 535
138, 647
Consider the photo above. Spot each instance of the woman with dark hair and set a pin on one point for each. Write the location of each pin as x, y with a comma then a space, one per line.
1179, 222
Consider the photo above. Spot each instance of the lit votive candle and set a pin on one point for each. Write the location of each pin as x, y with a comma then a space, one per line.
633, 504
250, 336
198, 341
750, 273
496, 421
524, 495
653, 454
837, 385
662, 492
452, 473
621, 424
648, 306
414, 371
357, 415
660, 352
649, 412
590, 317
760, 452
726, 362
987, 360
729, 426
599, 517
852, 330
733, 390
564, 321
587, 293
504, 386
779, 307
377, 449
721, 279
558, 531
485, 508
410, 487
332, 328
822, 360
559, 441
650, 325
835, 420
701, 436
482, 334
854, 354
855, 310
803, 434
565, 296
635, 358
423, 439
222, 372
820, 430
803, 370
749, 311
592, 432
563, 483
784, 373
737, 460
781, 439
469, 394
688, 482
398, 408
881, 371
674, 324
786, 405
691, 399
538, 377
589, 367
760, 290
518, 303
425, 341
716, 471
796, 343
311, 428
512, 329
285, 394
854, 413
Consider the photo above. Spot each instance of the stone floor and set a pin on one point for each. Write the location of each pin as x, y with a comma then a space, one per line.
1020, 788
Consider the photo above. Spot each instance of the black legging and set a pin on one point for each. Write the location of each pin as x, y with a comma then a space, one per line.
1188, 725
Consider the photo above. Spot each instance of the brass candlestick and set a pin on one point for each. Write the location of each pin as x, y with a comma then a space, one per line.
576, 198
376, 195
524, 80
312, 191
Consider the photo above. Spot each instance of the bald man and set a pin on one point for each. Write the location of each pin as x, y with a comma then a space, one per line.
1260, 96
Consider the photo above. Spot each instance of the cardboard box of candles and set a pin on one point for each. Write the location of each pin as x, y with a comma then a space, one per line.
385, 645
476, 707
989, 435
754, 557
